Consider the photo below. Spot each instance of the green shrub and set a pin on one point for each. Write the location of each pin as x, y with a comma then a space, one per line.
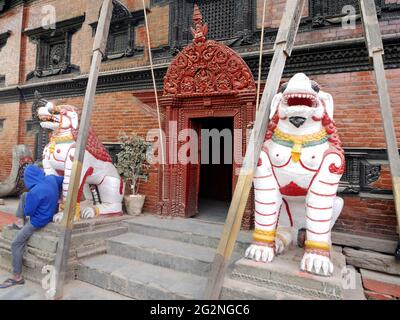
131, 160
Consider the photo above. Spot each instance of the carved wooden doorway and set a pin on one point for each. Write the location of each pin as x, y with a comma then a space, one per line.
205, 80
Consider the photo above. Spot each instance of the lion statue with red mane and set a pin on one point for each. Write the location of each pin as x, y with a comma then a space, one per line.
101, 185
297, 177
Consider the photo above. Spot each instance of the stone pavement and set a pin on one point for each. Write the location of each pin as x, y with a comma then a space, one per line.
6, 219
10, 205
7, 211
74, 290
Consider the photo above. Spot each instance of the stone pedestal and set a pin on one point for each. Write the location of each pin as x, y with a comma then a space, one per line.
88, 238
282, 279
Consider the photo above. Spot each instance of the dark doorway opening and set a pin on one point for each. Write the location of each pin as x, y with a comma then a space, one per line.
215, 183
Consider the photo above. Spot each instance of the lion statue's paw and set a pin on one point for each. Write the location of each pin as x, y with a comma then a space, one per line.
260, 253
88, 213
316, 264
279, 246
57, 218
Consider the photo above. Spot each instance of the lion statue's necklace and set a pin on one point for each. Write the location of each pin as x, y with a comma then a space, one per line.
298, 142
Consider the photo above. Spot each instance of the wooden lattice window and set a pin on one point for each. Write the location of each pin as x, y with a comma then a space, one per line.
230, 20
220, 17
121, 42
53, 48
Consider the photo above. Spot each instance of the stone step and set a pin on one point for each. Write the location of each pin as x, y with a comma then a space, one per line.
73, 290
165, 253
140, 280
186, 230
284, 275
240, 290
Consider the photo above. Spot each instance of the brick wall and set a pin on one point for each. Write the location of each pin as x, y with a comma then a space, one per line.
9, 54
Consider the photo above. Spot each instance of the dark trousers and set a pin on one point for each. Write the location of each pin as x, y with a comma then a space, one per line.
22, 237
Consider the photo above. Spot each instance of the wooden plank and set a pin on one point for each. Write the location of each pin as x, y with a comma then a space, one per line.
286, 36
361, 242
63, 246
372, 261
371, 27
375, 49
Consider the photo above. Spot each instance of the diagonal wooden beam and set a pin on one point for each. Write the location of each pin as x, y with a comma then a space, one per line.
64, 241
376, 52
283, 48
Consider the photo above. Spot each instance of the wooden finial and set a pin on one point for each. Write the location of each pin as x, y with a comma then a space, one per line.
201, 30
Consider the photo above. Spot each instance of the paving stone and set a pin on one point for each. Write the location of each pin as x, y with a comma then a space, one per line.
73, 290
381, 283
371, 295
239, 290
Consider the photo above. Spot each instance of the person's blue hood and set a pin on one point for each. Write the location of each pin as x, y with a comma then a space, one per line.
32, 176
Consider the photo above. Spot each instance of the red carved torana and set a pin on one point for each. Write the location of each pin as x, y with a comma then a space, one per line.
207, 66
206, 79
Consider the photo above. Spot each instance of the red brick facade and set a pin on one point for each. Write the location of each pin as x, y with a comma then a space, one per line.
355, 95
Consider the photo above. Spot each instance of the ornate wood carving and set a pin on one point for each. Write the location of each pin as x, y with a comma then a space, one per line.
206, 66
53, 53
207, 79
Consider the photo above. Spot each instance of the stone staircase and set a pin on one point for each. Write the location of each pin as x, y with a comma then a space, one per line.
158, 258
171, 259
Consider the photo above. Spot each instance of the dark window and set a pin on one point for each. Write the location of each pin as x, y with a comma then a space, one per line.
3, 38
362, 169
2, 80
2, 5
121, 42
32, 126
2, 124
228, 20
220, 17
53, 53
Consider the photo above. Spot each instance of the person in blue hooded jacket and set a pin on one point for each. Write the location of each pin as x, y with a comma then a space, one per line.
38, 205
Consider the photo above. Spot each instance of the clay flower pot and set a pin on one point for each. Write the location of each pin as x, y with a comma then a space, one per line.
134, 204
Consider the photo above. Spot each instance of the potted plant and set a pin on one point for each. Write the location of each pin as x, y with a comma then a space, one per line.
132, 166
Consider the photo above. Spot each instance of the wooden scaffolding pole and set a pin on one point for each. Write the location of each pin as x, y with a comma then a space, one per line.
283, 48
376, 52
63, 246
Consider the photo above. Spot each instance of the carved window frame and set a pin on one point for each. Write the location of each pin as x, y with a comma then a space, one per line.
46, 40
181, 12
123, 22
320, 14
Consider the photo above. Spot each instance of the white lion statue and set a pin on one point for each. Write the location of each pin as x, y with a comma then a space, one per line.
101, 184
297, 177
